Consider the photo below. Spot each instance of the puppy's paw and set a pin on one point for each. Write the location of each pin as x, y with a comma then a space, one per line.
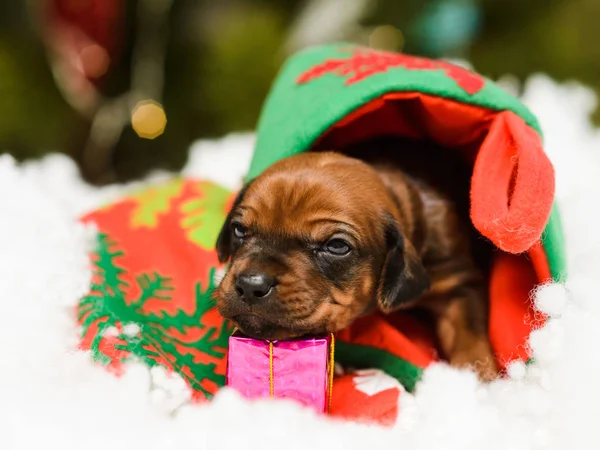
478, 357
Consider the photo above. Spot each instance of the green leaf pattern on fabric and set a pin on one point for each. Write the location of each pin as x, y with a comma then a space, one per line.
204, 215
106, 307
152, 202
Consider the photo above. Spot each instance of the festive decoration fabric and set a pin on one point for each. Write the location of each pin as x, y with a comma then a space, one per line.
154, 270
155, 262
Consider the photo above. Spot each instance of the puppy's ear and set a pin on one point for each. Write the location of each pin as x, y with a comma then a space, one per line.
223, 244
403, 277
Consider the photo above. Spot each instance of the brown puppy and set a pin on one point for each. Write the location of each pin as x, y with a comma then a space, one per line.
319, 239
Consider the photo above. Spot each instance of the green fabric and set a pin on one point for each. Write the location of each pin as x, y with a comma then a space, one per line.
295, 115
553, 241
367, 357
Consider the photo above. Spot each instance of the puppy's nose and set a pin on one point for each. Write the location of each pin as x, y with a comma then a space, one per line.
254, 287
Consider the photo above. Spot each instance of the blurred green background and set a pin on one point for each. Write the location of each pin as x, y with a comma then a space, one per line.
98, 79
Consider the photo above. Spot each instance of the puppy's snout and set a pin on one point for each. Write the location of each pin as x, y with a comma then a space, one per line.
254, 287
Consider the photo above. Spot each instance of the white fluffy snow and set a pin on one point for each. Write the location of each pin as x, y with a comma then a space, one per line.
53, 397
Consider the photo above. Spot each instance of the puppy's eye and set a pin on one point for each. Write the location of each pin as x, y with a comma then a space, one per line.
338, 247
238, 230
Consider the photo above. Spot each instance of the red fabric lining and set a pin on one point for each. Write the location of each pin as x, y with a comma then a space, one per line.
416, 343
511, 212
512, 191
513, 316
511, 148
417, 116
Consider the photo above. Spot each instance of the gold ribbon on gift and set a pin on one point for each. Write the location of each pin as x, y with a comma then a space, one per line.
330, 374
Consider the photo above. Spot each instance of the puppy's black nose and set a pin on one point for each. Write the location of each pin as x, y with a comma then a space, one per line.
254, 287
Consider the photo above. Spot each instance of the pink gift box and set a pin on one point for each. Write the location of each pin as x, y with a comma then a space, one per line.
300, 369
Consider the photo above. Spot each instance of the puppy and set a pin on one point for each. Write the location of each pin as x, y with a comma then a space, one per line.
321, 238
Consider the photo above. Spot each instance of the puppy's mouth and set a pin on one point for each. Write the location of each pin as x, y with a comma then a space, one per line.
265, 322
258, 327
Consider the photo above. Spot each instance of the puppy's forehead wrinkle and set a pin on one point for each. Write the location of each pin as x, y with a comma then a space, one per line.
335, 219
291, 195
312, 213
299, 183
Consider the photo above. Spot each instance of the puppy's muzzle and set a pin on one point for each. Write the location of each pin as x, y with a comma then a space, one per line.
254, 287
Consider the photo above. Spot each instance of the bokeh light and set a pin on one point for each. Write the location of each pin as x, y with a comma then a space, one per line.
95, 60
386, 37
148, 119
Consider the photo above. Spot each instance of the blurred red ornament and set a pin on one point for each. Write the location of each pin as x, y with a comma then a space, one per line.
84, 36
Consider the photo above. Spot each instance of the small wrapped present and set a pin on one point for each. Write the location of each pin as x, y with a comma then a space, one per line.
300, 369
